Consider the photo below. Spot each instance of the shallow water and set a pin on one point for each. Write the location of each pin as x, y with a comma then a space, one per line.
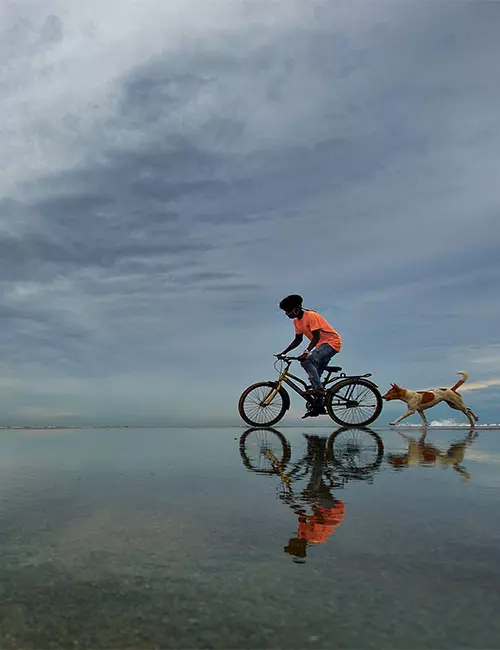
170, 538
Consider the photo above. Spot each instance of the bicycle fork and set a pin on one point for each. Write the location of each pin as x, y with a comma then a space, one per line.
272, 393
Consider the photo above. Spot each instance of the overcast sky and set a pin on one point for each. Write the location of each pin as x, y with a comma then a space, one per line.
170, 170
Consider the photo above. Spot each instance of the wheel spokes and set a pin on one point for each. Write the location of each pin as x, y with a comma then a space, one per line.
356, 450
354, 403
259, 412
264, 450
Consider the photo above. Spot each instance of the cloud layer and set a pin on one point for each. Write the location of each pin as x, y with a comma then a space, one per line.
171, 170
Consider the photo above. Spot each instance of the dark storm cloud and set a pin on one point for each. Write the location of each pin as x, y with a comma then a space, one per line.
347, 151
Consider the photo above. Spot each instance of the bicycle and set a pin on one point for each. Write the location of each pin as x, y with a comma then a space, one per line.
352, 452
351, 400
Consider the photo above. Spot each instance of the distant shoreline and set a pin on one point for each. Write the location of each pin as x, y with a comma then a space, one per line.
408, 427
82, 426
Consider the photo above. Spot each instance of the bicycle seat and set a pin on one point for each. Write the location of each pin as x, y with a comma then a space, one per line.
333, 368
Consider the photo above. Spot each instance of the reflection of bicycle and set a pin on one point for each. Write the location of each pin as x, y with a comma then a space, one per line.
352, 452
350, 400
328, 465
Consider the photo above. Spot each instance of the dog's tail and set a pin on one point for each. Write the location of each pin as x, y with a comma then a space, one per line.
460, 381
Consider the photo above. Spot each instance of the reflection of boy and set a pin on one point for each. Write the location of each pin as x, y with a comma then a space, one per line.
315, 528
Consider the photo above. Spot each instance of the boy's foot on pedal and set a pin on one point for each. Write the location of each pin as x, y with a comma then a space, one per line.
313, 413
315, 391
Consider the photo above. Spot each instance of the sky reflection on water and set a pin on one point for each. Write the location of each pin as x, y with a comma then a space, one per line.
233, 538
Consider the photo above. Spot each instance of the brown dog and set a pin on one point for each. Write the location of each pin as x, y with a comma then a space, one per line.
423, 399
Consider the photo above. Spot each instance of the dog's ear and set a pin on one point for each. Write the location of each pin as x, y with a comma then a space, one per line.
394, 385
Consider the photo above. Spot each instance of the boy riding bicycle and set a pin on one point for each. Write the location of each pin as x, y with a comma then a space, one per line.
324, 343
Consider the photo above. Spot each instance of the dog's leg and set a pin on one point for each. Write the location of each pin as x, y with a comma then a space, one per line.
462, 471
472, 422
466, 411
473, 414
461, 407
405, 415
422, 415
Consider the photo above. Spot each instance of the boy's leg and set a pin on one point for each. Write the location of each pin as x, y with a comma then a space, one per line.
310, 365
327, 352
316, 363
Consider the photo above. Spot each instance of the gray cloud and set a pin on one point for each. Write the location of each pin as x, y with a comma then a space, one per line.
167, 189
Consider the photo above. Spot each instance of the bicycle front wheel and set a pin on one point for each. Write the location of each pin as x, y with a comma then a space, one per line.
262, 405
261, 448
354, 402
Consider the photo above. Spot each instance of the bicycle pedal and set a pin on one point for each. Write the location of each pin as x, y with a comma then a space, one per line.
314, 412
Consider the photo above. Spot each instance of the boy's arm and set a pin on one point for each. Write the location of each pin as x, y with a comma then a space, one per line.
314, 341
296, 342
311, 346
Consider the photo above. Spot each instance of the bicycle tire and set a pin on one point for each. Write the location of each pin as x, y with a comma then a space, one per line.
275, 415
246, 455
356, 456
336, 410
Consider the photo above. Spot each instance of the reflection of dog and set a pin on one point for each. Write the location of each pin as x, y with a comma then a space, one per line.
423, 399
425, 454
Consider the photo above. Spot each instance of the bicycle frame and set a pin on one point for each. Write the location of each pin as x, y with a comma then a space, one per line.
286, 377
305, 466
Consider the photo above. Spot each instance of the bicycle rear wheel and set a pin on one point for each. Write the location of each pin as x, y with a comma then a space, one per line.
261, 448
354, 402
255, 410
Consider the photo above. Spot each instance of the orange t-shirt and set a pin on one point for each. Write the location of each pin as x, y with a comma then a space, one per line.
318, 527
311, 321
